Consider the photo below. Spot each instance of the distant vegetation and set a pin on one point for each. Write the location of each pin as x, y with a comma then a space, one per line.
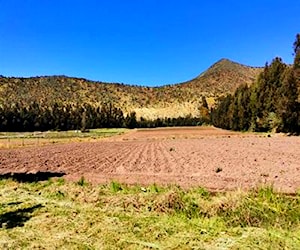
272, 103
228, 95
65, 103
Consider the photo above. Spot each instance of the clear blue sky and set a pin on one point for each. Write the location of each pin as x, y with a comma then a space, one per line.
145, 42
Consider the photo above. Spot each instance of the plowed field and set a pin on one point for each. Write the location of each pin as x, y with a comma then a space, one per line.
216, 159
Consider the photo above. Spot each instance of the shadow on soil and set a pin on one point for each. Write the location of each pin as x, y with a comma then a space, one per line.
31, 177
17, 218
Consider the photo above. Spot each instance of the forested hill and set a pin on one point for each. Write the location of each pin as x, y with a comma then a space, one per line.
150, 102
272, 103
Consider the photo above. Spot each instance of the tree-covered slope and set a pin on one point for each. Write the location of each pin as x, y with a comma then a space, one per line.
272, 103
150, 102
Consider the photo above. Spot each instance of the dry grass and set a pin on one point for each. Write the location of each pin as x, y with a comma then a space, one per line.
55, 214
173, 110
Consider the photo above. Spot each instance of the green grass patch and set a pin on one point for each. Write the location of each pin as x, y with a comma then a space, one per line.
57, 214
101, 132
15, 139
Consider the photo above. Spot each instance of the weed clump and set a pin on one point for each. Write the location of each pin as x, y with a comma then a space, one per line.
262, 208
170, 202
115, 186
82, 182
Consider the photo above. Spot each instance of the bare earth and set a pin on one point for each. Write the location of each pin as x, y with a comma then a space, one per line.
184, 156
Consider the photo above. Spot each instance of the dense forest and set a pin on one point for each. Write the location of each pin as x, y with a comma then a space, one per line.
272, 103
37, 117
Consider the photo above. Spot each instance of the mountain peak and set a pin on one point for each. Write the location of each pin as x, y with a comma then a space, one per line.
224, 60
224, 76
223, 65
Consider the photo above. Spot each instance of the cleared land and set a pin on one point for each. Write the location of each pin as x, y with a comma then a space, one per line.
212, 158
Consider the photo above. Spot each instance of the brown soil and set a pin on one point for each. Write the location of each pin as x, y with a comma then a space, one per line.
213, 158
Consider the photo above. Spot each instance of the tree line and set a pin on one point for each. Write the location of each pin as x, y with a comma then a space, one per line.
271, 103
60, 116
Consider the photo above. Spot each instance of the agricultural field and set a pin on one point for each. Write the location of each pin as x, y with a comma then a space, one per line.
164, 188
216, 159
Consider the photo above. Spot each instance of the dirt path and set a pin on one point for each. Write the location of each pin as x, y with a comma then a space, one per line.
213, 158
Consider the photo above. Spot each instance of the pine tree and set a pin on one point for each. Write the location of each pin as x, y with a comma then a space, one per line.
296, 65
130, 120
288, 104
204, 111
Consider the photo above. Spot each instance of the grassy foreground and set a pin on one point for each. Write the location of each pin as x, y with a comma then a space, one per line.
56, 214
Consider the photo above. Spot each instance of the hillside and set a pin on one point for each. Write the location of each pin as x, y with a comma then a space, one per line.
150, 102
223, 77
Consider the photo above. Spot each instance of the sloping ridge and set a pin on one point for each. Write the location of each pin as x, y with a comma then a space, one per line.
152, 102
224, 77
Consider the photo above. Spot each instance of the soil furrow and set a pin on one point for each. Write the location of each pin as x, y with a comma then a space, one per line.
213, 158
